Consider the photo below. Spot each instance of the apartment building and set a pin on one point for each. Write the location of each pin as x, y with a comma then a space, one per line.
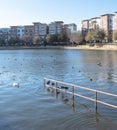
85, 27
29, 31
68, 29
72, 27
115, 22
56, 27
5, 33
105, 22
40, 29
94, 23
17, 31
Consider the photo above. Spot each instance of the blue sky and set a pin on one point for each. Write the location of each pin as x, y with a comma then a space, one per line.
24, 12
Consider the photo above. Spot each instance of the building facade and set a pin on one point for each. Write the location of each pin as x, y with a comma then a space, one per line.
56, 27
5, 35
85, 27
72, 27
106, 22
94, 23
29, 30
40, 29
17, 31
28, 33
115, 22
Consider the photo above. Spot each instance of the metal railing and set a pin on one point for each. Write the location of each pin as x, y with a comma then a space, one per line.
47, 83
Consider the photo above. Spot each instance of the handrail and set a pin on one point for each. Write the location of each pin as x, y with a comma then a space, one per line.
93, 90
89, 89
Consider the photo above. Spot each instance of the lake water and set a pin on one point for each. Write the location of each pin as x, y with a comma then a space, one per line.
30, 107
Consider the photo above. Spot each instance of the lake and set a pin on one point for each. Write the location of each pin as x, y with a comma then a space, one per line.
30, 107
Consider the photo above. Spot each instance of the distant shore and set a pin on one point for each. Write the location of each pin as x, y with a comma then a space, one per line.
83, 47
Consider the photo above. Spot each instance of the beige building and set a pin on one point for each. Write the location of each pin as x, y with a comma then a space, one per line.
17, 31
40, 29
115, 21
29, 30
28, 33
107, 22
85, 27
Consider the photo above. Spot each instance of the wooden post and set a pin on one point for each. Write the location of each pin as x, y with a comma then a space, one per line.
56, 89
44, 83
96, 101
73, 97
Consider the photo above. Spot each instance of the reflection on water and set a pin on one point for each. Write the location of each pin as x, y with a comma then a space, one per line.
30, 107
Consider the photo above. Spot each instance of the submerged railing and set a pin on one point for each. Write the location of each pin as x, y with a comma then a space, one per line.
50, 83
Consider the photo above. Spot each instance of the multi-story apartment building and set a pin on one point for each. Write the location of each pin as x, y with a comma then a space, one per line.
72, 27
40, 29
115, 22
56, 27
5, 33
17, 31
28, 33
13, 31
85, 27
94, 23
105, 22
90, 24
29, 30
68, 29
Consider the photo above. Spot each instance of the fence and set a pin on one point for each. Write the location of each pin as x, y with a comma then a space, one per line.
50, 83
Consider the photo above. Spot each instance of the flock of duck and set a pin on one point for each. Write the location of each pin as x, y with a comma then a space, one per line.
50, 88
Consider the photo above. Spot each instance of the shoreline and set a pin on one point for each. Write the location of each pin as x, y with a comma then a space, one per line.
79, 47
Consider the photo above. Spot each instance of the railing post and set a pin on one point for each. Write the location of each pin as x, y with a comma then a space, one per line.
96, 101
56, 89
73, 96
44, 83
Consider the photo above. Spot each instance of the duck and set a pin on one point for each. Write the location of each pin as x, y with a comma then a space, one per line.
16, 85
62, 87
48, 82
99, 64
53, 84
66, 99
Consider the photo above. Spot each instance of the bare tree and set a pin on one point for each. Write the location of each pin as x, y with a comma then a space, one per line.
37, 39
76, 37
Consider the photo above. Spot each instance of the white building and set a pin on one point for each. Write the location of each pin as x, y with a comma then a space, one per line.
94, 23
